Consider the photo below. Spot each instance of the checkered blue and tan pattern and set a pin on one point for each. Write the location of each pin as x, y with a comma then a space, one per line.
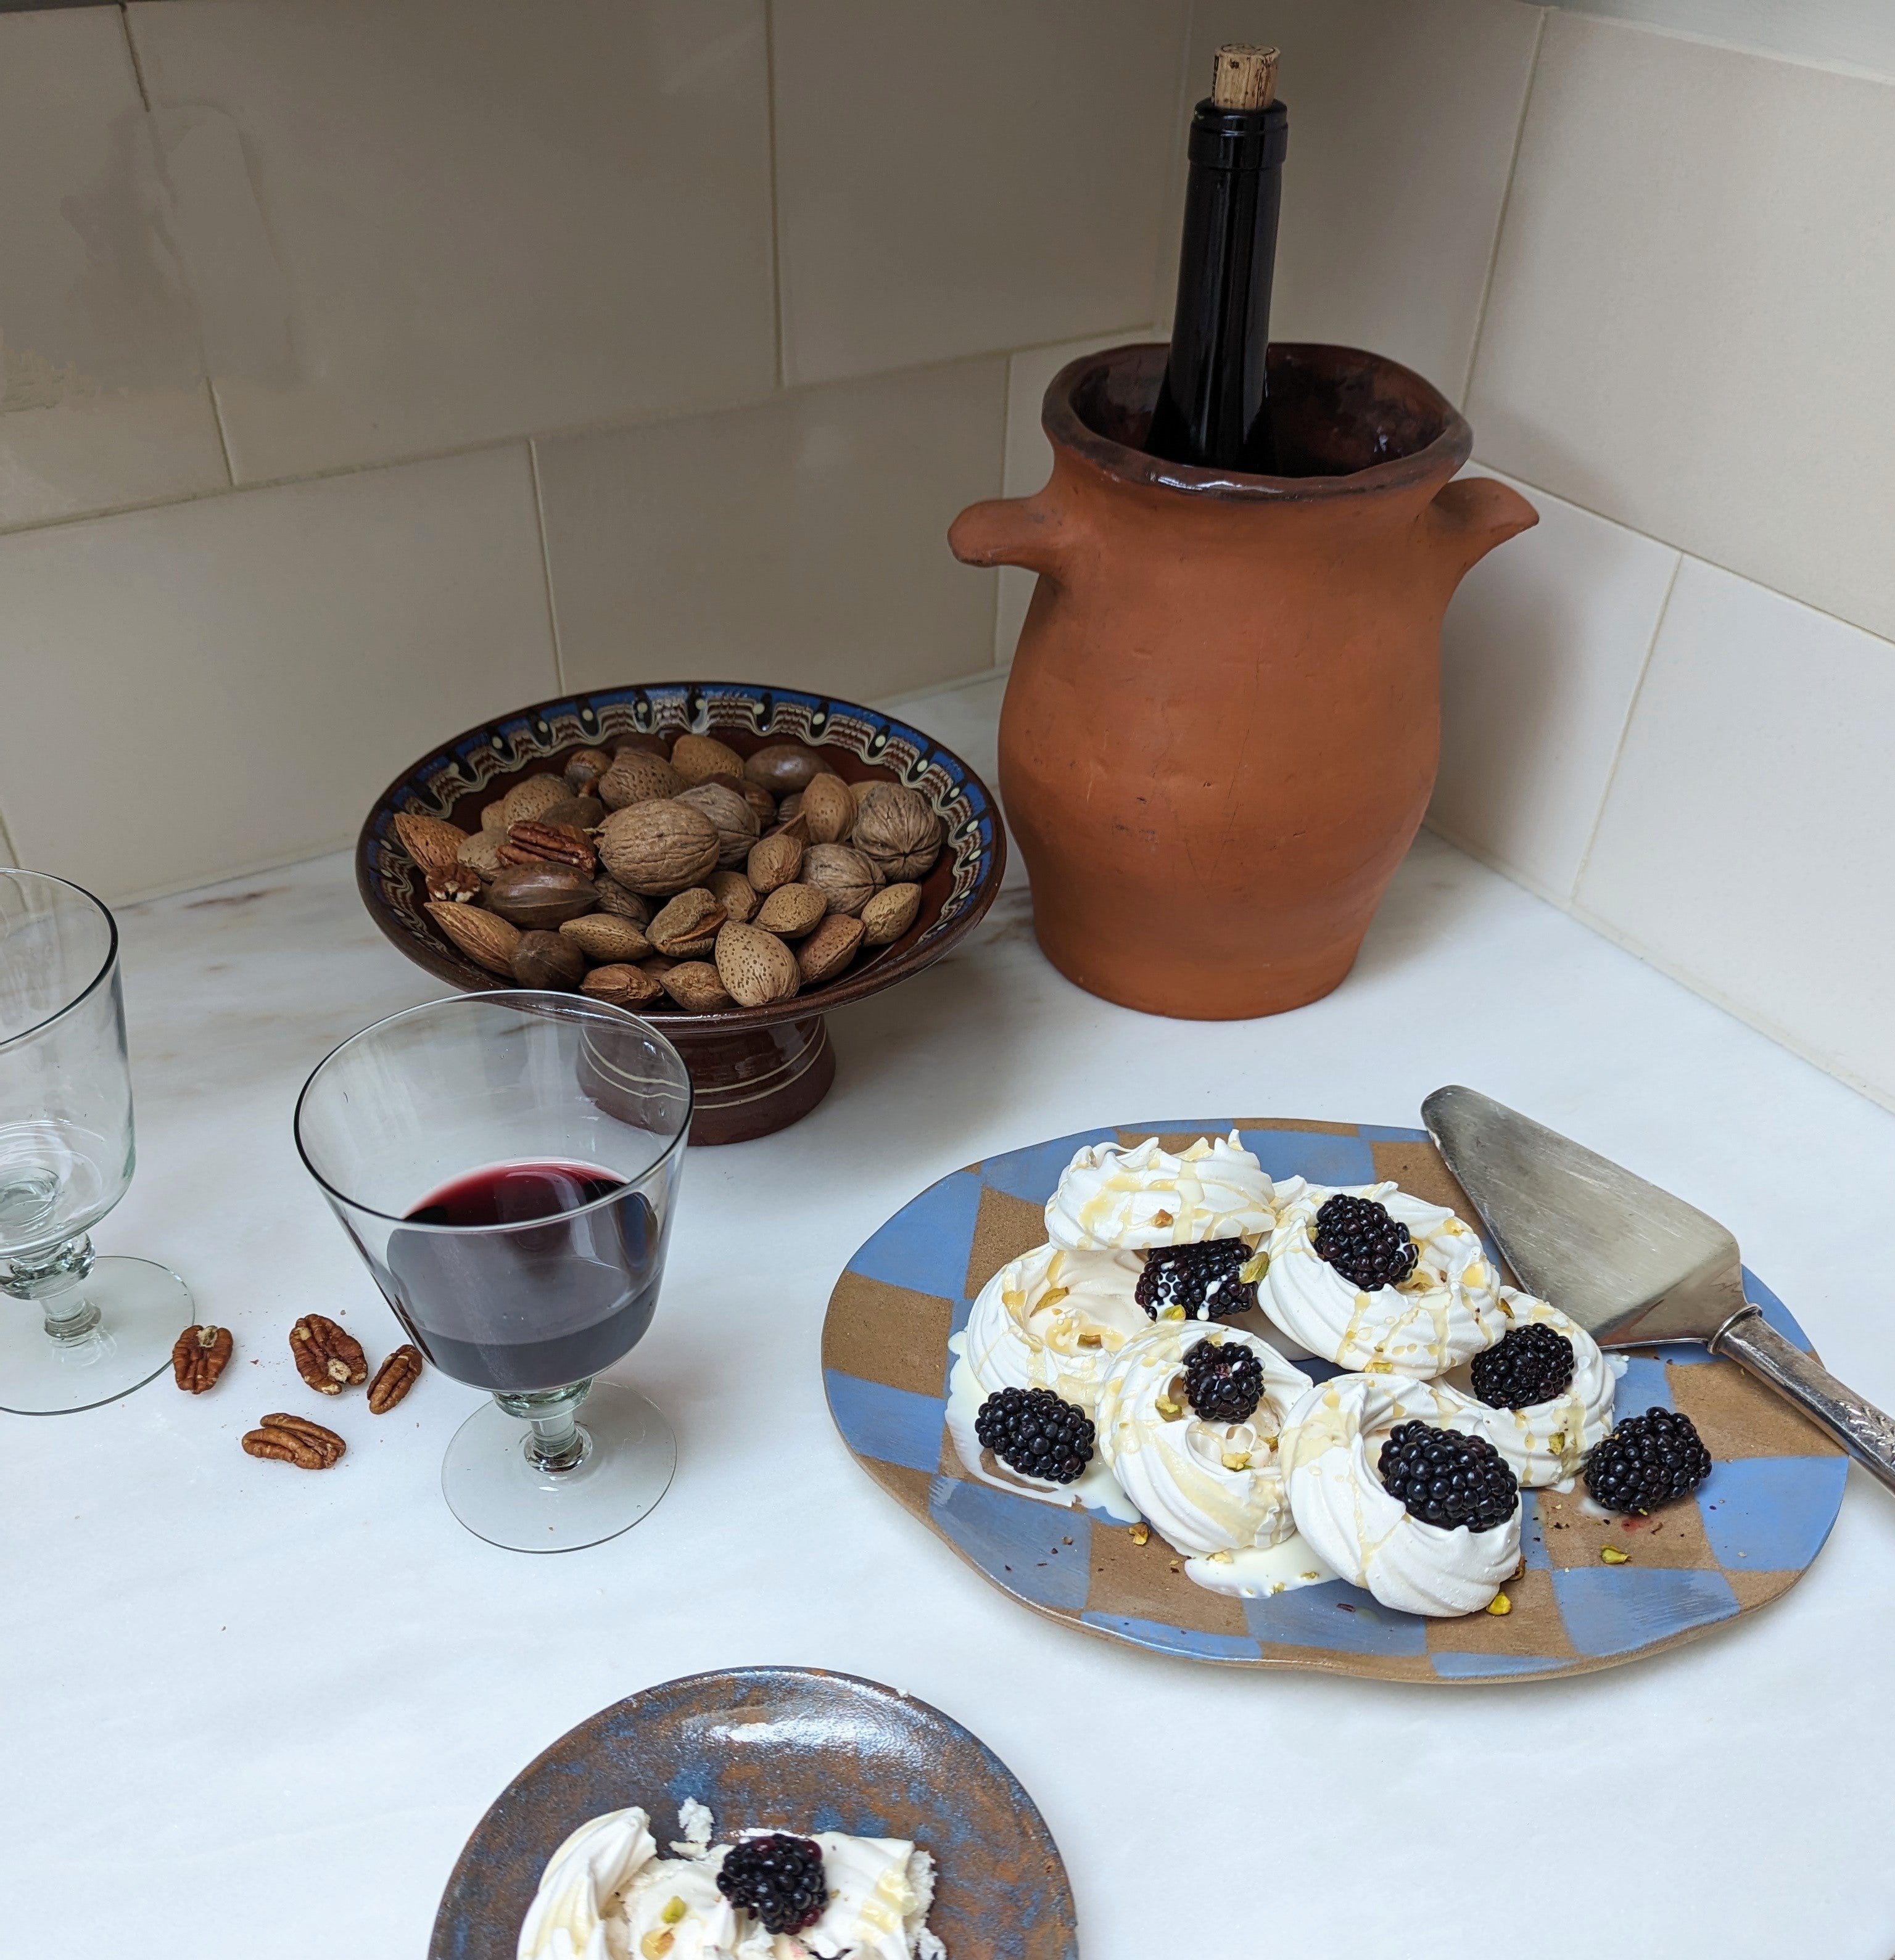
1752, 1531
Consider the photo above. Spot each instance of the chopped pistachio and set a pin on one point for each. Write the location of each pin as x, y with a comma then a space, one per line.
1612, 1555
1500, 1605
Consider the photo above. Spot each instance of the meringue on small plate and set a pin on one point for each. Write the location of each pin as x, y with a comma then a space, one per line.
1448, 1309
1110, 1197
1328, 1450
1206, 1487
1548, 1443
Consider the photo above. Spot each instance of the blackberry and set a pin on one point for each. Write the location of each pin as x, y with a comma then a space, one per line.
1445, 1478
1225, 1382
1202, 1279
1357, 1237
1647, 1461
1526, 1365
779, 1877
1032, 1431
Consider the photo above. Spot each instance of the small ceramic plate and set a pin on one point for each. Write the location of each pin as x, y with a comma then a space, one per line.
787, 1749
1751, 1531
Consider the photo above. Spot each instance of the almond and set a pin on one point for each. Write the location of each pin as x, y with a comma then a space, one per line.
481, 853
755, 966
735, 893
829, 948
637, 776
737, 825
828, 809
695, 757
792, 910
696, 987
600, 936
621, 986
687, 927
582, 771
659, 847
613, 898
760, 801
889, 913
774, 860
433, 843
528, 799
485, 937
493, 818
847, 878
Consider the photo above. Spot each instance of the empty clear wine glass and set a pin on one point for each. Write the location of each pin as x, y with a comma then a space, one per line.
506, 1163
89, 1330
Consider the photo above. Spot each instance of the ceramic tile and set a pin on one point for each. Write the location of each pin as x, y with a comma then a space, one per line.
1030, 461
1855, 33
242, 674
1744, 842
1391, 200
102, 398
1688, 329
416, 224
1541, 652
801, 541
954, 180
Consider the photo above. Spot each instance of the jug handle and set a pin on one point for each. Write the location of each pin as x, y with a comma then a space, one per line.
1011, 530
1472, 515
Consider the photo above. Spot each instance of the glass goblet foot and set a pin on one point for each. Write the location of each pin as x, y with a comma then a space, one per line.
76, 1331
559, 1469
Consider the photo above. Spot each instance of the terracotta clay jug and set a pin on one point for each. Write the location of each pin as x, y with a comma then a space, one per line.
1222, 724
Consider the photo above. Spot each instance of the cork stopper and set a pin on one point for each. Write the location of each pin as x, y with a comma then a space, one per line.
1244, 76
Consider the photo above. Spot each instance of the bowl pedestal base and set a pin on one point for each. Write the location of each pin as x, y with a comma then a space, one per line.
752, 1081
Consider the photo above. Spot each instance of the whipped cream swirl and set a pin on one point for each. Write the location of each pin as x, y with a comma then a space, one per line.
1329, 1449
606, 1894
1204, 1487
1446, 1309
1053, 1319
1546, 1442
1112, 1197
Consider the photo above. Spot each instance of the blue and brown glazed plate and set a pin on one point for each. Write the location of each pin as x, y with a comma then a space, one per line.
1749, 1533
779, 1748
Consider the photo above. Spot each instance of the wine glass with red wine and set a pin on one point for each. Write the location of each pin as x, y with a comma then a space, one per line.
507, 1164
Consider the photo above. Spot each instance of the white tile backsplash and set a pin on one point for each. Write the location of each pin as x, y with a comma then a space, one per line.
193, 692
1541, 653
957, 179
103, 395
417, 224
1851, 34
802, 541
1689, 329
1744, 843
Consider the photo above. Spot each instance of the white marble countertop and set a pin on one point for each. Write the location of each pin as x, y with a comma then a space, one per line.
249, 1710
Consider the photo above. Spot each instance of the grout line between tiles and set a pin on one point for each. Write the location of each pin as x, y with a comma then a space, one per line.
776, 217
1500, 222
1625, 726
131, 49
546, 566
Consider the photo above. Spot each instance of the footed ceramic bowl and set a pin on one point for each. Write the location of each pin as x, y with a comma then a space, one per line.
779, 1748
753, 1070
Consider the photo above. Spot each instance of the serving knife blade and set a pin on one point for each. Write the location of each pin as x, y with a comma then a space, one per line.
1629, 1262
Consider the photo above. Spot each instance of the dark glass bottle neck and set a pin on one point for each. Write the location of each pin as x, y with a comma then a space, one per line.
1213, 411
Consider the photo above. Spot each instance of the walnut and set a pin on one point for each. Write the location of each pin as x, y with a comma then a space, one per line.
660, 847
737, 824
896, 830
846, 878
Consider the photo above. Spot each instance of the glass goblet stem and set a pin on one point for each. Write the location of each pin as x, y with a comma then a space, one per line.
56, 1280
555, 1441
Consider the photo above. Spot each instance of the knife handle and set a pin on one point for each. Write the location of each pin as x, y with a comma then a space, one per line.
1858, 1426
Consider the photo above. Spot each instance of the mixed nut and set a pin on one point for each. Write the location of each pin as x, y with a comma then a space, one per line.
329, 1358
679, 873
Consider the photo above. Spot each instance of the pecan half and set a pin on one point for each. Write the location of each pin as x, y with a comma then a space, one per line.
549, 844
394, 1378
294, 1439
199, 1356
328, 1357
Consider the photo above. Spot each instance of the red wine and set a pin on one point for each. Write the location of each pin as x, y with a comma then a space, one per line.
1213, 411
523, 1304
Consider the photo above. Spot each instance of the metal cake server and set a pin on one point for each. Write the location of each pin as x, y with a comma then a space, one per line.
1630, 1263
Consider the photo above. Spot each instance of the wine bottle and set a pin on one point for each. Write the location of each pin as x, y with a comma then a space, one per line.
1214, 409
